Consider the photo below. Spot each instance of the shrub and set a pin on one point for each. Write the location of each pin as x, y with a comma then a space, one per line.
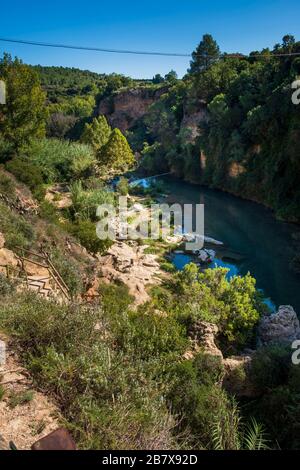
17, 231
20, 398
69, 270
60, 160
234, 305
85, 232
270, 367
26, 172
123, 186
198, 402
85, 202
7, 186
6, 287
108, 399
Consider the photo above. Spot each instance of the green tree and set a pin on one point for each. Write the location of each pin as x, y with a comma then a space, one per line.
24, 114
97, 133
205, 54
171, 76
116, 153
157, 79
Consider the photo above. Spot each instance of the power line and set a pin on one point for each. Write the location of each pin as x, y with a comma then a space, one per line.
135, 52
96, 49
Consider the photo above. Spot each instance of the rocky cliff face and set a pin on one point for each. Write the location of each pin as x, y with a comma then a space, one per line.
192, 120
124, 108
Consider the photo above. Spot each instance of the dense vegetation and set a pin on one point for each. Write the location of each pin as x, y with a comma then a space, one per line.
249, 133
122, 377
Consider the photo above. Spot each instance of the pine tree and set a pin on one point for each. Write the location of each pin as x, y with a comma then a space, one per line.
206, 54
116, 153
24, 115
97, 133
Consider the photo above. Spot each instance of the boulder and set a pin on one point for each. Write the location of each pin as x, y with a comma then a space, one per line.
203, 334
206, 256
280, 327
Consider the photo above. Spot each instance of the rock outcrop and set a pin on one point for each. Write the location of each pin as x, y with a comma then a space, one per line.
124, 108
281, 327
192, 120
127, 264
236, 379
202, 335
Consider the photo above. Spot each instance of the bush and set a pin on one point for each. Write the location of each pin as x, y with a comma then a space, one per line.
69, 270
123, 186
107, 397
7, 186
85, 202
270, 367
198, 401
6, 287
17, 231
26, 172
85, 232
60, 160
234, 305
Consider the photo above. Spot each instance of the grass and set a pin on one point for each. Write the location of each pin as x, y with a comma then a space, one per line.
2, 392
20, 398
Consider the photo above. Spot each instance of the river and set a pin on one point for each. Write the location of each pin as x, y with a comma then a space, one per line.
253, 238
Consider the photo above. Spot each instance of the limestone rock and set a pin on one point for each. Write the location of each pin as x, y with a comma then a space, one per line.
282, 326
203, 334
124, 108
130, 265
7, 258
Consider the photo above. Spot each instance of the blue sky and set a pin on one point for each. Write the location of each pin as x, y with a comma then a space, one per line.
164, 25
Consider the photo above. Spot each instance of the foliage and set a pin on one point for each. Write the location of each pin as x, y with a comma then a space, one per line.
97, 133
20, 398
61, 160
17, 231
116, 153
6, 287
60, 124
123, 186
7, 185
234, 305
206, 53
25, 171
85, 232
277, 381
86, 201
109, 397
24, 114
69, 270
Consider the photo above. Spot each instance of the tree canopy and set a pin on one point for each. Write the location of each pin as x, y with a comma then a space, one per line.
24, 114
97, 133
116, 152
206, 53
